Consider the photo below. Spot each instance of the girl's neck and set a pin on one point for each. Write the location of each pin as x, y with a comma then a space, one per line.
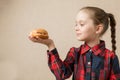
93, 42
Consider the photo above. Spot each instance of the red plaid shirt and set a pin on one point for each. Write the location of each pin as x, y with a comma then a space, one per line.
103, 64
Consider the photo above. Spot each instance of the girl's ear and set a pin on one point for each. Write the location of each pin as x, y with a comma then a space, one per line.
99, 29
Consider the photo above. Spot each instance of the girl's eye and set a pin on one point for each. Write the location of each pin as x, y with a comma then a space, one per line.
79, 24
82, 24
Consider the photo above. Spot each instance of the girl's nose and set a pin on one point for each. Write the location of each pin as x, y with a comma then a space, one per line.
76, 28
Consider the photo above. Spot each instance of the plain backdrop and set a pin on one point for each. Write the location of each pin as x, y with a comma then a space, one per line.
21, 59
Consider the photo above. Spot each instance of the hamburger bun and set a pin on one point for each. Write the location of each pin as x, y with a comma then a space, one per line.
39, 33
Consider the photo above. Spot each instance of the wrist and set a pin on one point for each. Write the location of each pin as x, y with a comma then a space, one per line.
51, 46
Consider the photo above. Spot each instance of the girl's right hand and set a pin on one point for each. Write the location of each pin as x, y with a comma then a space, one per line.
48, 42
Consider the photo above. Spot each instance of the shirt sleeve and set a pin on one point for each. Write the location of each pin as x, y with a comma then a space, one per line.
115, 71
61, 69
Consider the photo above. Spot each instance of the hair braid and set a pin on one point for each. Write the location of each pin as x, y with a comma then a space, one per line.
113, 31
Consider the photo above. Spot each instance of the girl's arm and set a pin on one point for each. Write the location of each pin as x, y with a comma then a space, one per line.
115, 71
61, 69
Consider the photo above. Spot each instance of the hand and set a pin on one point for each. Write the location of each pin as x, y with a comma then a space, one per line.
48, 42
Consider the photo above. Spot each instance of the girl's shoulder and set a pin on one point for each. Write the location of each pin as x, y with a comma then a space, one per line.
109, 53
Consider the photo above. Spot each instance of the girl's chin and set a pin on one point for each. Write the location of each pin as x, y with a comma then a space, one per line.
80, 39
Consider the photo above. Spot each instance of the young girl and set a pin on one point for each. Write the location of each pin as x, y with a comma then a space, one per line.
92, 60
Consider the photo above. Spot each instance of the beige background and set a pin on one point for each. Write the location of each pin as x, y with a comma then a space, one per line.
21, 59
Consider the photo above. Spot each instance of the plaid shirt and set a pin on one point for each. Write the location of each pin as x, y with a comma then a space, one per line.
85, 63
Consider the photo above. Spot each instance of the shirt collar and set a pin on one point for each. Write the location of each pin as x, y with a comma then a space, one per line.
97, 49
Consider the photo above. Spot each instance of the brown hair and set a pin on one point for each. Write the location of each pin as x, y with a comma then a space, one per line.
99, 16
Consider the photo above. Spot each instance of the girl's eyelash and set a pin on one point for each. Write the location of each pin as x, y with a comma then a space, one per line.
81, 24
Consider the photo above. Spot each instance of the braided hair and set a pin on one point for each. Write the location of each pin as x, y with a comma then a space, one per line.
113, 30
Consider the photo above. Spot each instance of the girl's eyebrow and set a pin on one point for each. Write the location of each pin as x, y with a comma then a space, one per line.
79, 21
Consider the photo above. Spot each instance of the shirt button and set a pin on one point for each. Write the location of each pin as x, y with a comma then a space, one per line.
89, 63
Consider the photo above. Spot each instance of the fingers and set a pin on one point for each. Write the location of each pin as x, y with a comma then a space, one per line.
39, 40
34, 39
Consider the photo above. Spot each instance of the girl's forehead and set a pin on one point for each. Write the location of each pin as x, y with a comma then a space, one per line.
82, 16
83, 13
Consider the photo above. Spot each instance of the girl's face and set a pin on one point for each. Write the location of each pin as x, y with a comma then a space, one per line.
85, 28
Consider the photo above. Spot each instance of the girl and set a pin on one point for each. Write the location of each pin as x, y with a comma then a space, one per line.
92, 60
